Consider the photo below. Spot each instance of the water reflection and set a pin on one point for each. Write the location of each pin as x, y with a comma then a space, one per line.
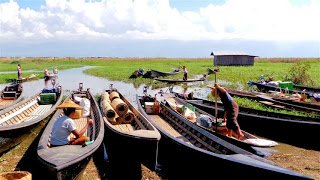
70, 79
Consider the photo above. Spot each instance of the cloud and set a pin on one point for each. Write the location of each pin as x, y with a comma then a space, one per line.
269, 20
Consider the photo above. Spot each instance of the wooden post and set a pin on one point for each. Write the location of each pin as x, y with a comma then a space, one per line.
215, 102
216, 70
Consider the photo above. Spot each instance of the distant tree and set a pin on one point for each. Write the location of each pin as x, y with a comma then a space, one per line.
298, 74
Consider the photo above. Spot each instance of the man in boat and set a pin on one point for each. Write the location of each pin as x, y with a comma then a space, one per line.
185, 73
231, 110
19, 70
65, 125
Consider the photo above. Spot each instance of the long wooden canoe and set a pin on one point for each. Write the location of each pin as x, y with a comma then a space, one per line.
155, 74
69, 161
295, 130
278, 102
11, 94
25, 79
187, 151
266, 88
17, 120
133, 141
247, 142
179, 80
307, 88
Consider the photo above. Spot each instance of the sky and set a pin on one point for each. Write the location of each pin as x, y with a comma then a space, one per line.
159, 28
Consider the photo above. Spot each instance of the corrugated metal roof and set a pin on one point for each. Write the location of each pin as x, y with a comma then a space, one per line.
225, 53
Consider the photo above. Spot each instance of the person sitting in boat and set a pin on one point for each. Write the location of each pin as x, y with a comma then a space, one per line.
231, 110
84, 103
185, 73
65, 126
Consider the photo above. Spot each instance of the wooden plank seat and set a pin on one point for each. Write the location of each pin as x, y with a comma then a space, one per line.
38, 112
124, 127
80, 123
11, 117
4, 102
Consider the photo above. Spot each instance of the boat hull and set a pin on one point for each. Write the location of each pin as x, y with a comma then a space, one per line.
69, 161
13, 134
178, 159
135, 147
291, 131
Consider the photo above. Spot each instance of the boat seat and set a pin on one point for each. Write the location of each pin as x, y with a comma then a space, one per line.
9, 94
80, 123
42, 109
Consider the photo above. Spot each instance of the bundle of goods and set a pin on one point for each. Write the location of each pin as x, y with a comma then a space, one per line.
115, 109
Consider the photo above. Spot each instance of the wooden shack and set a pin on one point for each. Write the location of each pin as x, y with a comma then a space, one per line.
235, 59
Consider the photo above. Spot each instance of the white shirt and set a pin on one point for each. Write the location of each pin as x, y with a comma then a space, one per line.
85, 103
61, 130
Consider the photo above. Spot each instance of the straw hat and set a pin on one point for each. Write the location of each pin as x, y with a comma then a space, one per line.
69, 104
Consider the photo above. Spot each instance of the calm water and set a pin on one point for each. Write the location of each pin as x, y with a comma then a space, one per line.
70, 79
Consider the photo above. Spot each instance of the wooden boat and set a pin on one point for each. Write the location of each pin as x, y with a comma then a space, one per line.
307, 88
266, 88
137, 73
131, 139
24, 79
295, 130
188, 151
11, 94
278, 102
247, 142
68, 161
179, 80
18, 120
155, 74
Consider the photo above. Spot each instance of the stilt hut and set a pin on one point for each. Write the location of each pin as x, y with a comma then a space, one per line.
233, 59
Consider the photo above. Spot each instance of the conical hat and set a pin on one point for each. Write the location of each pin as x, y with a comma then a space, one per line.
69, 104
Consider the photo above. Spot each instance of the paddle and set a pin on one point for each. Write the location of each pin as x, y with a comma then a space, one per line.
215, 71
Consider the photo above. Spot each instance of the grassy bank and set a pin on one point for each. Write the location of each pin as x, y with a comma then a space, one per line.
120, 69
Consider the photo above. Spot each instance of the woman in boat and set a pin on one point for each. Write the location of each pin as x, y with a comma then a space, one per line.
231, 110
185, 73
65, 125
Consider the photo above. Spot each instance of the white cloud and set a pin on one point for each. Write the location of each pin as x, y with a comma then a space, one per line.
272, 20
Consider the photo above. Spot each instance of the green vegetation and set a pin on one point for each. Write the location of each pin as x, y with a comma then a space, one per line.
119, 69
298, 74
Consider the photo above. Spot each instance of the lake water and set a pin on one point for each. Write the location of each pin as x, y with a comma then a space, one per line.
70, 79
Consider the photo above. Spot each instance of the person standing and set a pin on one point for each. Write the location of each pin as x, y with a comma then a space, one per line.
185, 73
19, 70
231, 110
55, 71
46, 76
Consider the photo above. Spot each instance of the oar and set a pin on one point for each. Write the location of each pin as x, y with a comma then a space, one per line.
216, 70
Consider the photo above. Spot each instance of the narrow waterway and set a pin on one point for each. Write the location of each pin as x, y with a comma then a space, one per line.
69, 80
